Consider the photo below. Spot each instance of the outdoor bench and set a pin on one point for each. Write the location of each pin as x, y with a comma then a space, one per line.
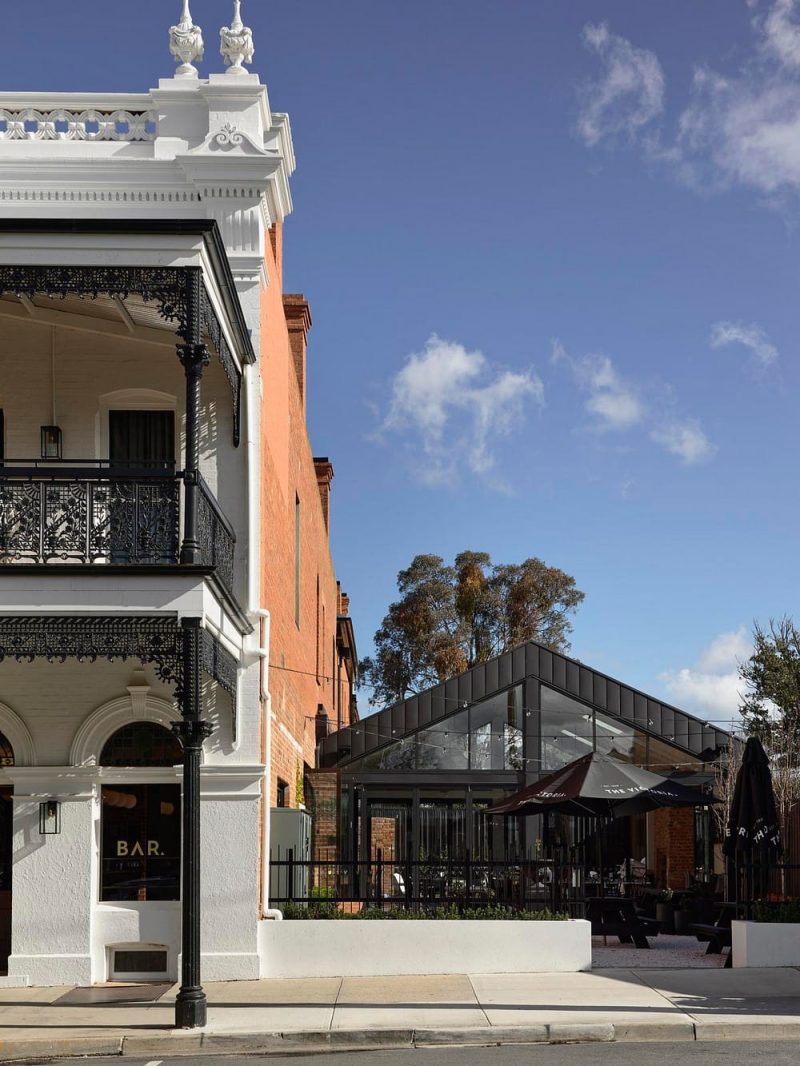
717, 934
617, 916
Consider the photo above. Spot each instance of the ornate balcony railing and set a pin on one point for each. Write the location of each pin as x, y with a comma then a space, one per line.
90, 512
216, 536
73, 516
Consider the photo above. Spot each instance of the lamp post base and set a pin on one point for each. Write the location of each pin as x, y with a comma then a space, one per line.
191, 1009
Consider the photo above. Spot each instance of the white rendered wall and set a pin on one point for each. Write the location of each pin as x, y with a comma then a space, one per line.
360, 948
61, 932
53, 881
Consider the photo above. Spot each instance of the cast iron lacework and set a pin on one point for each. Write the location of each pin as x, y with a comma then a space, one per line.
213, 330
88, 638
167, 287
164, 286
221, 665
216, 536
117, 520
148, 638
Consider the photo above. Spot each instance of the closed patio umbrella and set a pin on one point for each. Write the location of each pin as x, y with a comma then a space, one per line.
752, 836
753, 822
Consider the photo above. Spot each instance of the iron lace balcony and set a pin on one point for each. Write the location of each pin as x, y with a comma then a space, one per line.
90, 512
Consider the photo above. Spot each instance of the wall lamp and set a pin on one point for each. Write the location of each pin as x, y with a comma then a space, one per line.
51, 442
50, 818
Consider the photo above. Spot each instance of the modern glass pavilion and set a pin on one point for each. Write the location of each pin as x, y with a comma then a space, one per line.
415, 779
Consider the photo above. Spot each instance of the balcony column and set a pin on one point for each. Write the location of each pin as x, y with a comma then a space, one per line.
190, 1004
194, 358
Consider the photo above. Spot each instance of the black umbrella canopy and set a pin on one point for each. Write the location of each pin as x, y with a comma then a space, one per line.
601, 786
753, 823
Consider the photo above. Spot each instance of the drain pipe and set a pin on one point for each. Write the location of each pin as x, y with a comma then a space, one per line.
266, 700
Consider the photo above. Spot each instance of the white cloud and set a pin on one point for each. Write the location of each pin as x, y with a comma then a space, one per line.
617, 405
629, 93
752, 337
742, 128
455, 405
685, 439
613, 402
712, 685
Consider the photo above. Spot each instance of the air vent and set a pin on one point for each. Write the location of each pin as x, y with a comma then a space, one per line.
139, 964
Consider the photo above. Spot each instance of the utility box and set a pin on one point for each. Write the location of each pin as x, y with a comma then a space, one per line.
289, 855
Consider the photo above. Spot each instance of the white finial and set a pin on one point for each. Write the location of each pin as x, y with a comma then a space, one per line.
186, 44
236, 42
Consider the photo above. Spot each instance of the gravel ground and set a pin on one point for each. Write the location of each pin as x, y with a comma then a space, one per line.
666, 953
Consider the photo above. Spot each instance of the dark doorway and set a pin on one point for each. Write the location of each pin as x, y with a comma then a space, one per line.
142, 440
142, 498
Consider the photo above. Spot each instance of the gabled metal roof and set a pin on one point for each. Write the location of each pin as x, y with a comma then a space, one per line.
530, 660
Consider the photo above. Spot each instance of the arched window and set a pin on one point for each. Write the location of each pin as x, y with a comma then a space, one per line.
142, 744
6, 751
141, 824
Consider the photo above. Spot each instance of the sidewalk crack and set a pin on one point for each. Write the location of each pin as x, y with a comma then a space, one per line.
335, 1004
478, 1003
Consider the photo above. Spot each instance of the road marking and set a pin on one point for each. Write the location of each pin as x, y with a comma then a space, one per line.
155, 1062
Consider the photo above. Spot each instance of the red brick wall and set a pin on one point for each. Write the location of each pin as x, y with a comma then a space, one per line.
303, 667
673, 831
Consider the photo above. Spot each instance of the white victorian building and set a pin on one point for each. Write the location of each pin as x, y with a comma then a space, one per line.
132, 232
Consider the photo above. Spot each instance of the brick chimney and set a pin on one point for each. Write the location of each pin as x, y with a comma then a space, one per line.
324, 471
298, 322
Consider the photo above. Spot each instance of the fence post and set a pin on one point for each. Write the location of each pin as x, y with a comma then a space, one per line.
290, 875
379, 878
467, 874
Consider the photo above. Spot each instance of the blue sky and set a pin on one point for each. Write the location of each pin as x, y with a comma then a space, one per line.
551, 251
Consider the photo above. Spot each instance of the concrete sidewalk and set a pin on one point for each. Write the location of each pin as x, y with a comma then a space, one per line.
323, 1013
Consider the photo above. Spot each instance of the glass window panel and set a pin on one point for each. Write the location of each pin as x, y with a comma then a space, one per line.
445, 745
142, 744
496, 732
398, 756
620, 740
141, 842
663, 758
566, 730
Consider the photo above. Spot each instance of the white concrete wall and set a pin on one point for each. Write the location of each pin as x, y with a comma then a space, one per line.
358, 948
765, 944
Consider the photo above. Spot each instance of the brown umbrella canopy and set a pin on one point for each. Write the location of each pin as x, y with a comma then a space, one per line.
600, 786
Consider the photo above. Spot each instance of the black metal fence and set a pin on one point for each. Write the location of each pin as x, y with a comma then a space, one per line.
426, 884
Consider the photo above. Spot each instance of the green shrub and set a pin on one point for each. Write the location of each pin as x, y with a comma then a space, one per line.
449, 911
773, 911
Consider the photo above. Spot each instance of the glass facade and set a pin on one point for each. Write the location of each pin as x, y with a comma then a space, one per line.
424, 794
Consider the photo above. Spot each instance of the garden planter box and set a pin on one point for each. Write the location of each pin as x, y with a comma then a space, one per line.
367, 948
765, 943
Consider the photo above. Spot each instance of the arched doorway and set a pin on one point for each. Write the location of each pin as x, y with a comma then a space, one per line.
141, 822
6, 824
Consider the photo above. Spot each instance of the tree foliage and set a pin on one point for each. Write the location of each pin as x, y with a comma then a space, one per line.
449, 618
771, 705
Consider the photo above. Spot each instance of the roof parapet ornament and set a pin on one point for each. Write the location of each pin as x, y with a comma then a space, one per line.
236, 42
186, 44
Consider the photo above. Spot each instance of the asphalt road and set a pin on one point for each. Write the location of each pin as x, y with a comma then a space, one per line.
732, 1053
